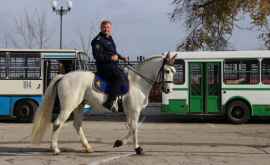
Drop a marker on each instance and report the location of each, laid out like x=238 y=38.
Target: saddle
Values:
x=101 y=85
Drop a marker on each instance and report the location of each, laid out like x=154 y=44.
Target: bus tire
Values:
x=25 y=110
x=238 y=112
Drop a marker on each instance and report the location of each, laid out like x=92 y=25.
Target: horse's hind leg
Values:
x=57 y=125
x=134 y=129
x=78 y=126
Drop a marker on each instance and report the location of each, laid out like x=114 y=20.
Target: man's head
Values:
x=106 y=27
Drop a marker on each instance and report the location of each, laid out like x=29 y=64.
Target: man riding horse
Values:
x=107 y=58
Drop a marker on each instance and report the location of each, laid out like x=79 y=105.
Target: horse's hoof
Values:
x=113 y=109
x=89 y=150
x=139 y=151
x=118 y=143
x=56 y=152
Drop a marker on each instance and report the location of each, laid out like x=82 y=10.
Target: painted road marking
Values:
x=106 y=160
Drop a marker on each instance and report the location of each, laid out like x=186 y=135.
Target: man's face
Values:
x=107 y=29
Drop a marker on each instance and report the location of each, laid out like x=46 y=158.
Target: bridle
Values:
x=159 y=79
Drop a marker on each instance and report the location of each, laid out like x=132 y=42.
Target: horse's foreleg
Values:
x=133 y=119
x=57 y=125
x=78 y=126
x=123 y=140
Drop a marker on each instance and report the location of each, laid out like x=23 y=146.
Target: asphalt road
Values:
x=166 y=142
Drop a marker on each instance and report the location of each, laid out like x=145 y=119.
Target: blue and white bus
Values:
x=26 y=73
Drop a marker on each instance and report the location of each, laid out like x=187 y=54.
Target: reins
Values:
x=160 y=75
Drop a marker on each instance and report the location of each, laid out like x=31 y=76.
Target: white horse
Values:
x=75 y=89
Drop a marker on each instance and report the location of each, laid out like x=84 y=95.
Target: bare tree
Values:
x=85 y=38
x=4 y=41
x=31 y=30
x=42 y=32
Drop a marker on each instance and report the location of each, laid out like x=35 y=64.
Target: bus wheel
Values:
x=25 y=110
x=238 y=112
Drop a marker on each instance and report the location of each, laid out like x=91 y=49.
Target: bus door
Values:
x=204 y=87
x=52 y=67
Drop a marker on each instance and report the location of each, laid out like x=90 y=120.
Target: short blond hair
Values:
x=105 y=22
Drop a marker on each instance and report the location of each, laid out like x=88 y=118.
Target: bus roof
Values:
x=39 y=50
x=222 y=54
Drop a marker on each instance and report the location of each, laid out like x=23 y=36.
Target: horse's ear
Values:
x=174 y=57
x=172 y=60
x=167 y=56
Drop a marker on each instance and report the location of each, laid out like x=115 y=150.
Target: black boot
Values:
x=109 y=103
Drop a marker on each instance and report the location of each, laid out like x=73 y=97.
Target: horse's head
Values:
x=158 y=69
x=167 y=72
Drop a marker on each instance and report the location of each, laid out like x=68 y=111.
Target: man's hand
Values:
x=125 y=59
x=115 y=57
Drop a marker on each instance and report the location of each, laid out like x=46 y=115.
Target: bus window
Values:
x=179 y=77
x=266 y=71
x=81 y=62
x=24 y=67
x=196 y=79
x=3 y=66
x=33 y=67
x=241 y=71
x=68 y=65
x=53 y=69
x=213 y=75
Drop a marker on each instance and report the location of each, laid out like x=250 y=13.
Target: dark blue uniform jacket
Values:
x=103 y=48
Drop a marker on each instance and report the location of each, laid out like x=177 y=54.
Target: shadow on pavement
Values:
x=153 y=114
x=121 y=117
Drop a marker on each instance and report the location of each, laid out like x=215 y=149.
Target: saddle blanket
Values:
x=101 y=85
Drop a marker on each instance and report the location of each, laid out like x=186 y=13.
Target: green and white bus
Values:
x=235 y=84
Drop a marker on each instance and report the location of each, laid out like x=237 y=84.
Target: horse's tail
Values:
x=43 y=115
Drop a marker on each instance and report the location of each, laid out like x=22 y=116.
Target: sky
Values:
x=140 y=27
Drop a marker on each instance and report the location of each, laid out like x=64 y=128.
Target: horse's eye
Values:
x=167 y=72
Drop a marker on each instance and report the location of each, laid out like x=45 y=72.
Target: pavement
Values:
x=165 y=142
